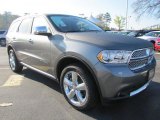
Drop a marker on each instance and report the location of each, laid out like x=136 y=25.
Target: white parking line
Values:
x=5 y=104
x=13 y=80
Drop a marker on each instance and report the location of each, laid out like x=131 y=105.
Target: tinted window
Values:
x=14 y=26
x=72 y=24
x=134 y=33
x=140 y=34
x=25 y=26
x=2 y=32
x=39 y=21
x=153 y=34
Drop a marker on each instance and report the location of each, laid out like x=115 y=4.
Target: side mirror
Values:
x=42 y=30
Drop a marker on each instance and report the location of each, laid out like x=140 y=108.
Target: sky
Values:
x=77 y=7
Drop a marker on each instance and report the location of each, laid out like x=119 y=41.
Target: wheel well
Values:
x=70 y=61
x=9 y=48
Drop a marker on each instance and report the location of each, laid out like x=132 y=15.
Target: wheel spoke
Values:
x=75 y=88
x=74 y=77
x=81 y=86
x=71 y=94
x=12 y=61
x=79 y=96
x=67 y=82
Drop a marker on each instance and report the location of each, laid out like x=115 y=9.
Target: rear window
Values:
x=153 y=34
x=14 y=26
x=25 y=26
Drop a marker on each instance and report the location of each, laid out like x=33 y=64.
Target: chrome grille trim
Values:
x=140 y=58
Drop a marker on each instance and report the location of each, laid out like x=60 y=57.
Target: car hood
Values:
x=148 y=38
x=109 y=41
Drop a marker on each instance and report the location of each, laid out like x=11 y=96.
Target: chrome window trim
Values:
x=39 y=71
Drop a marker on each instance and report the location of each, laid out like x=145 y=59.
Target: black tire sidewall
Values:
x=18 y=66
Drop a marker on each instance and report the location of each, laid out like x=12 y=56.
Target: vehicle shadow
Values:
x=41 y=78
x=145 y=106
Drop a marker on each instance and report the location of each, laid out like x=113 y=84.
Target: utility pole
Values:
x=127 y=15
x=6 y=20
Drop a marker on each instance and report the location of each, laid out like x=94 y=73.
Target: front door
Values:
x=40 y=47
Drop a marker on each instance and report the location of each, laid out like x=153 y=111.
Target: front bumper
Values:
x=118 y=81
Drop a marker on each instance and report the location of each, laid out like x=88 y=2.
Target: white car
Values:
x=151 y=36
x=3 y=37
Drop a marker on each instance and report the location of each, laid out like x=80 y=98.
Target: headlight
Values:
x=114 y=56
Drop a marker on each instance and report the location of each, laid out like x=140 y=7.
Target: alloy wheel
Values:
x=75 y=88
x=12 y=61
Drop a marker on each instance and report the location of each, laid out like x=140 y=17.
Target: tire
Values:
x=14 y=63
x=78 y=87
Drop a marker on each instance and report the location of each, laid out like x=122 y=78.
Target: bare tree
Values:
x=151 y=7
x=120 y=22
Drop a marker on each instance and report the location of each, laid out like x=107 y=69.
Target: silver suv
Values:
x=88 y=63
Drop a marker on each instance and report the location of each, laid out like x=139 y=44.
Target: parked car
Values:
x=124 y=32
x=88 y=63
x=115 y=32
x=151 y=36
x=138 y=33
x=157 y=45
x=3 y=37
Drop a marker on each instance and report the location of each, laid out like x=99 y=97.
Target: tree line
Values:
x=6 y=19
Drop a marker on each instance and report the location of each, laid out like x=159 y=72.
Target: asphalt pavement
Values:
x=32 y=96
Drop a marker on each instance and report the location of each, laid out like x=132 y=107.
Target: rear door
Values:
x=22 y=43
x=40 y=47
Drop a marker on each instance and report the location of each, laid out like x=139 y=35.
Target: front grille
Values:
x=140 y=58
x=139 y=53
x=137 y=63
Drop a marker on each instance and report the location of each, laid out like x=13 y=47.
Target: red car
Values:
x=157 y=45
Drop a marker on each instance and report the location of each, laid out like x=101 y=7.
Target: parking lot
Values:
x=31 y=96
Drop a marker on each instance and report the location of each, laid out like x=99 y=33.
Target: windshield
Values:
x=134 y=33
x=72 y=24
x=2 y=32
x=153 y=34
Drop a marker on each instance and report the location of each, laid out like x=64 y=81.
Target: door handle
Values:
x=30 y=41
